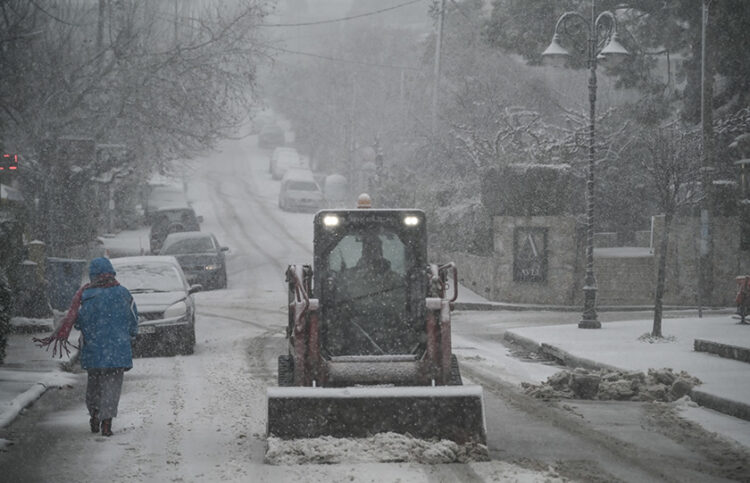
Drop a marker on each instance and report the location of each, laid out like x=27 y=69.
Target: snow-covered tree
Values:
x=670 y=157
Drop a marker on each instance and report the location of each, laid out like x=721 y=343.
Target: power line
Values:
x=342 y=19
x=345 y=61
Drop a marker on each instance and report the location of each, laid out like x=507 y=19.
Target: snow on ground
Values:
x=496 y=360
x=27 y=373
x=380 y=448
x=395 y=448
x=622 y=345
x=733 y=428
x=42 y=382
x=616 y=340
x=127 y=243
x=623 y=252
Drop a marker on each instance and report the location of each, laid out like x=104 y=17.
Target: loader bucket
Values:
x=455 y=413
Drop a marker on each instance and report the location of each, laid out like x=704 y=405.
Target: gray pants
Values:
x=103 y=392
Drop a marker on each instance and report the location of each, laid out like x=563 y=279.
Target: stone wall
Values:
x=683 y=254
x=643 y=238
x=474 y=272
x=625 y=276
x=562 y=260
x=625 y=280
x=606 y=239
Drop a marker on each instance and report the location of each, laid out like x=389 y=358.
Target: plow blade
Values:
x=455 y=413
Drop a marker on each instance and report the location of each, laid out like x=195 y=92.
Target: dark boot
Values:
x=94 y=422
x=106 y=427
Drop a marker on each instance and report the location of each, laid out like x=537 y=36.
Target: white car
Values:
x=166 y=309
x=300 y=192
x=284 y=159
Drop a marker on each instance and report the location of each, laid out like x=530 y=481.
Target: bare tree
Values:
x=670 y=156
x=165 y=82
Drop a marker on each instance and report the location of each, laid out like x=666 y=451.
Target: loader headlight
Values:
x=331 y=220
x=411 y=220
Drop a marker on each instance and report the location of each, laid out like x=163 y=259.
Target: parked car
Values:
x=283 y=159
x=299 y=191
x=335 y=191
x=166 y=309
x=200 y=255
x=260 y=119
x=271 y=136
x=171 y=220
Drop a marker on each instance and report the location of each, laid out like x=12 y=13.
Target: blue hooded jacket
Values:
x=108 y=318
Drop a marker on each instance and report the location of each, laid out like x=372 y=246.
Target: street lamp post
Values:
x=602 y=46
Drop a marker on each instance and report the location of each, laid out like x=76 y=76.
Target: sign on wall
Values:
x=530 y=254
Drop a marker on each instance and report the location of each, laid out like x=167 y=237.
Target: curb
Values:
x=575 y=308
x=718 y=403
x=711 y=401
x=525 y=342
x=22 y=401
x=563 y=357
x=570 y=360
x=726 y=351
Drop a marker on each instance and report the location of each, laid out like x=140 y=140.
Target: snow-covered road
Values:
x=202 y=417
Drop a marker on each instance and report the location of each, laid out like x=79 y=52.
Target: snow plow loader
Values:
x=369 y=337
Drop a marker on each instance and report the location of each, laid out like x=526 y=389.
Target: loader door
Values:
x=366 y=309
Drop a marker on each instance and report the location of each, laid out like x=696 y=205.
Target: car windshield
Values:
x=175 y=216
x=303 y=186
x=188 y=245
x=289 y=156
x=150 y=277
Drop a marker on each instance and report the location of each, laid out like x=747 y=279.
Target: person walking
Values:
x=105 y=313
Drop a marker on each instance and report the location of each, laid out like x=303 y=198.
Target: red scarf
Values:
x=59 y=338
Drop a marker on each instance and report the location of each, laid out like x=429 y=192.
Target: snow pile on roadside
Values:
x=657 y=385
x=380 y=448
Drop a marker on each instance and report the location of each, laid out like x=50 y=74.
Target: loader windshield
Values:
x=366 y=301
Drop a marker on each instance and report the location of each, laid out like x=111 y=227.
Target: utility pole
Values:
x=100 y=26
x=176 y=26
x=705 y=275
x=436 y=74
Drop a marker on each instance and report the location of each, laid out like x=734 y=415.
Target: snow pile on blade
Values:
x=380 y=448
x=658 y=385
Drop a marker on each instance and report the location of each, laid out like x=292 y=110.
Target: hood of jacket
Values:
x=99 y=266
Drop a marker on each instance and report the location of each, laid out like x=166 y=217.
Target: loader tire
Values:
x=455 y=372
x=286 y=371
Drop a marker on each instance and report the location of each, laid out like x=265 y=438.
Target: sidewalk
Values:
x=726 y=382
x=28 y=371
x=690 y=344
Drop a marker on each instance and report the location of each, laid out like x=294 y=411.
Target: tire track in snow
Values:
x=219 y=195
x=252 y=191
x=244 y=321
x=616 y=451
x=235 y=223
x=177 y=405
x=260 y=212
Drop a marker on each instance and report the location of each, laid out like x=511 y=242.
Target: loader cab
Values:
x=371 y=281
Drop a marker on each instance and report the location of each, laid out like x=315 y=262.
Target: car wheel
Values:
x=286 y=371
x=187 y=345
x=222 y=283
